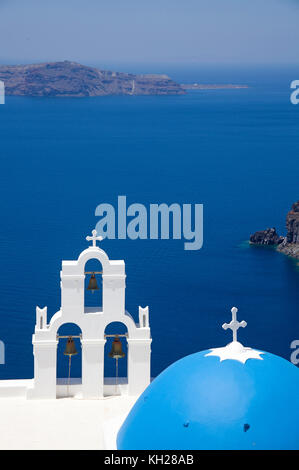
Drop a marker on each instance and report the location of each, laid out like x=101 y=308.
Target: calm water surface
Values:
x=235 y=151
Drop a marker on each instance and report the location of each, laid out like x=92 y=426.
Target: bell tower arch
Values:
x=92 y=321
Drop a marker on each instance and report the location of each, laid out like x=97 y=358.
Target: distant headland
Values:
x=70 y=79
x=289 y=244
x=204 y=86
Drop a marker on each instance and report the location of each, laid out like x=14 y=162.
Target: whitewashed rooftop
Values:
x=65 y=423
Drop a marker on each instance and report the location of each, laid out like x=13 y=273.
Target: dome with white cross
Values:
x=227 y=398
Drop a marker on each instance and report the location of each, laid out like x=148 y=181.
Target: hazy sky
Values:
x=131 y=31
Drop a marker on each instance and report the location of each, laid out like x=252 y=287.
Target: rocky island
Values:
x=289 y=244
x=70 y=79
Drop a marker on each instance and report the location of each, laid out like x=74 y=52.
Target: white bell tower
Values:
x=92 y=321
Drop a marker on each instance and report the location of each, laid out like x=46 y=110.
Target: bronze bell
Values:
x=116 y=351
x=70 y=348
x=93 y=285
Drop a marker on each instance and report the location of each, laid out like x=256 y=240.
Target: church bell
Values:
x=116 y=351
x=70 y=349
x=93 y=285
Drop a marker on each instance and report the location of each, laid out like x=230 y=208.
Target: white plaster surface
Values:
x=237 y=352
x=92 y=323
x=65 y=423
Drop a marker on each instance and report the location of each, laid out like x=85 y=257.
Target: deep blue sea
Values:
x=234 y=151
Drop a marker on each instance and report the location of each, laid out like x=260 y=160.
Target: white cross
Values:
x=94 y=238
x=234 y=325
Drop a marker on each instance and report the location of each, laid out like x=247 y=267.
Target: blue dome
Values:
x=200 y=402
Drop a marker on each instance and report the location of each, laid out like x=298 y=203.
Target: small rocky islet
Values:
x=288 y=244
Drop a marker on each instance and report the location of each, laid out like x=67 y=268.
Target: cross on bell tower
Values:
x=94 y=238
x=92 y=322
x=234 y=325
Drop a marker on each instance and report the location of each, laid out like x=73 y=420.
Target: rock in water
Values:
x=290 y=245
x=70 y=79
x=293 y=224
x=266 y=237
